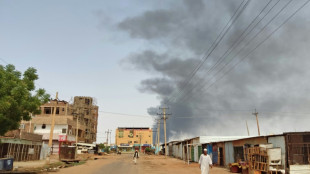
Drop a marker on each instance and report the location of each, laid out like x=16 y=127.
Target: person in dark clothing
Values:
x=135 y=156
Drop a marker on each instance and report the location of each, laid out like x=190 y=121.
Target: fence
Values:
x=20 y=152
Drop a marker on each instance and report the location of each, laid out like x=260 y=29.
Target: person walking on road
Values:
x=135 y=156
x=205 y=162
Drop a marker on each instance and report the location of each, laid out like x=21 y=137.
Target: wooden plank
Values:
x=18 y=153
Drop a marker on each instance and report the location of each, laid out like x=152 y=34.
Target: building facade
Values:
x=73 y=122
x=133 y=138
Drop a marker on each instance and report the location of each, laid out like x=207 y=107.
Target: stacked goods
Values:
x=258 y=159
x=235 y=168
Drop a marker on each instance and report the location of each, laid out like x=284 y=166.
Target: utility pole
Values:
x=158 y=137
x=155 y=143
x=165 y=131
x=140 y=143
x=247 y=127
x=256 y=114
x=50 y=142
x=107 y=132
x=110 y=137
x=164 y=110
x=76 y=134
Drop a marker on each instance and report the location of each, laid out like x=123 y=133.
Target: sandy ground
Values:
x=152 y=164
x=32 y=164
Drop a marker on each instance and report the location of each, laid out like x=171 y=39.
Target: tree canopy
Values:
x=18 y=97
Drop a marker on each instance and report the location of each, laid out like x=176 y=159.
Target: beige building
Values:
x=131 y=138
x=80 y=117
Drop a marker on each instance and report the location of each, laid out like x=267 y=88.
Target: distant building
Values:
x=133 y=138
x=66 y=124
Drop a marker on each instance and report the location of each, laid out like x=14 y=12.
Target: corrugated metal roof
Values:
x=214 y=139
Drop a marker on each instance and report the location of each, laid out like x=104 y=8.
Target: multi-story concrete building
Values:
x=133 y=138
x=79 y=118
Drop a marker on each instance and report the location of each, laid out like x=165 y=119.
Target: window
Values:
x=64 y=131
x=145 y=142
x=43 y=126
x=87 y=101
x=47 y=110
x=129 y=142
x=137 y=135
x=57 y=110
x=121 y=134
x=130 y=134
x=63 y=109
x=135 y=141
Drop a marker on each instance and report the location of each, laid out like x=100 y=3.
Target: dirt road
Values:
x=119 y=164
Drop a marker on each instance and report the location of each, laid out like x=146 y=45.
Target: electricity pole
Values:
x=247 y=127
x=76 y=132
x=256 y=114
x=158 y=133
x=110 y=137
x=50 y=142
x=107 y=132
x=140 y=142
x=165 y=131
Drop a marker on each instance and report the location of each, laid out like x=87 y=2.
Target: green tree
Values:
x=18 y=98
x=101 y=146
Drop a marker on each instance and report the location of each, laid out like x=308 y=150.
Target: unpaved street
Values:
x=119 y=164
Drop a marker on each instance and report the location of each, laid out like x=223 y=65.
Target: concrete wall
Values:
x=57 y=129
x=55 y=146
x=44 y=151
x=299 y=169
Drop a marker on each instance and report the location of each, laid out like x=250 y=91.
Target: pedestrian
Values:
x=135 y=156
x=205 y=162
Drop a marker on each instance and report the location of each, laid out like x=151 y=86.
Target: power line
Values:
x=238 y=42
x=215 y=43
x=243 y=58
x=124 y=114
x=4 y=61
x=285 y=21
x=242 y=48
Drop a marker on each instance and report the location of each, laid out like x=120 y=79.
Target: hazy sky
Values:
x=77 y=50
x=133 y=55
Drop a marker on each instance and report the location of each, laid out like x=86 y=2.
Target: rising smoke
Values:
x=273 y=79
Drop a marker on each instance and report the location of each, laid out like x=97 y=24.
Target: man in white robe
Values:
x=205 y=162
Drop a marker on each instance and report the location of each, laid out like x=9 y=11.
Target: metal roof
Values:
x=133 y=128
x=215 y=139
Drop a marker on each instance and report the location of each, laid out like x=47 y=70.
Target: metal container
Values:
x=6 y=164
